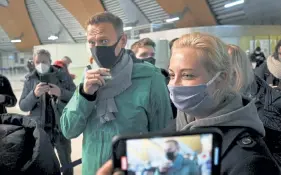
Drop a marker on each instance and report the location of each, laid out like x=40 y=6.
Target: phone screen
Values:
x=181 y=155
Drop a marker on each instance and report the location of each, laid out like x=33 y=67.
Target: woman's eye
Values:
x=188 y=76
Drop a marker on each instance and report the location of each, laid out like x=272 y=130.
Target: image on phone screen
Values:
x=180 y=155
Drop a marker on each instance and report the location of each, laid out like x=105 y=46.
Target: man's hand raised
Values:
x=94 y=80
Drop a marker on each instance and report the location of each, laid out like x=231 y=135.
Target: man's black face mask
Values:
x=150 y=60
x=170 y=156
x=105 y=55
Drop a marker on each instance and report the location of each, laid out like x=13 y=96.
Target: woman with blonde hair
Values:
x=201 y=87
x=268 y=100
x=243 y=74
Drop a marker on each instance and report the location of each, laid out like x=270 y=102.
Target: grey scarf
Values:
x=121 y=80
x=231 y=113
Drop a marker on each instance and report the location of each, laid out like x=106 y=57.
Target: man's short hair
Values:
x=106 y=17
x=142 y=43
x=66 y=58
x=41 y=52
x=174 y=142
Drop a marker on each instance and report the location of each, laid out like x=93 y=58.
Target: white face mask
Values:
x=42 y=68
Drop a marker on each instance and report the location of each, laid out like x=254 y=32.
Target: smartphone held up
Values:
x=105 y=77
x=178 y=153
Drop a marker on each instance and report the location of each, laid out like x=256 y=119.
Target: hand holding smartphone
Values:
x=181 y=153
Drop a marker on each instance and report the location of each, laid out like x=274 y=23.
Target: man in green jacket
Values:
x=121 y=96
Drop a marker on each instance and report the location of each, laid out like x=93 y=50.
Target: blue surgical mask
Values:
x=194 y=100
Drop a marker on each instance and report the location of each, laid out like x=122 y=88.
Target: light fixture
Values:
x=234 y=3
x=172 y=19
x=15 y=40
x=127 y=28
x=53 y=37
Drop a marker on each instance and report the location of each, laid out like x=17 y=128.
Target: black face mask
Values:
x=171 y=156
x=105 y=55
x=150 y=60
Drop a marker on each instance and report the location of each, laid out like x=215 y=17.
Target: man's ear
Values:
x=123 y=41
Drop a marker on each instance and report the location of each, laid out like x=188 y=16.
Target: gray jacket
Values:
x=37 y=106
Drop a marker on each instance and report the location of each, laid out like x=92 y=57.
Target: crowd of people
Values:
x=208 y=84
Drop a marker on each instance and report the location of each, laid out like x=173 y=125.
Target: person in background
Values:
x=176 y=163
x=258 y=56
x=7 y=96
x=144 y=50
x=268 y=101
x=270 y=71
x=30 y=65
x=46 y=100
x=64 y=64
x=201 y=88
x=134 y=100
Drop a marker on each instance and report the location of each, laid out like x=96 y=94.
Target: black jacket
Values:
x=37 y=106
x=263 y=72
x=7 y=91
x=25 y=149
x=240 y=156
x=269 y=109
x=244 y=152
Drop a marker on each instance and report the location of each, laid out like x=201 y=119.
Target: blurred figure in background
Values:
x=176 y=163
x=7 y=96
x=30 y=65
x=258 y=57
x=268 y=100
x=270 y=71
x=64 y=64
x=144 y=49
x=46 y=100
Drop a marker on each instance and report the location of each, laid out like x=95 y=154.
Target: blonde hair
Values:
x=243 y=74
x=214 y=54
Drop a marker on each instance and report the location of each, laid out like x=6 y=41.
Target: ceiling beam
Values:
x=15 y=20
x=82 y=10
x=198 y=14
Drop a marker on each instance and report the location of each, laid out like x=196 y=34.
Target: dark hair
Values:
x=275 y=55
x=258 y=49
x=174 y=142
x=106 y=17
x=141 y=43
x=172 y=42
